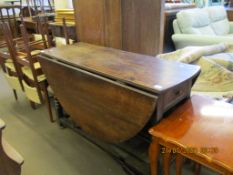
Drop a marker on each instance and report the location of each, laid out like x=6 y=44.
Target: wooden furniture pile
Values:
x=134 y=90
x=200 y=130
x=22 y=70
x=10 y=160
x=114 y=94
x=18 y=57
x=57 y=26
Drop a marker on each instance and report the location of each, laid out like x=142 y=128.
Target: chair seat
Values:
x=28 y=72
x=9 y=64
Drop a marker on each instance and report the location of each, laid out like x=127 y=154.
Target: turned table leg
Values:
x=166 y=163
x=154 y=151
x=179 y=163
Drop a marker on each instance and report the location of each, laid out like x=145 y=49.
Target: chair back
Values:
x=32 y=60
x=12 y=51
x=66 y=39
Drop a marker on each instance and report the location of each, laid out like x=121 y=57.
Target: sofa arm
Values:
x=184 y=40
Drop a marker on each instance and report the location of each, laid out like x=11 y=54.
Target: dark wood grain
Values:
x=147 y=72
x=230 y=13
x=103 y=108
x=115 y=87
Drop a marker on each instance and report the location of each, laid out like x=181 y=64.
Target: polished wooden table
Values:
x=202 y=130
x=113 y=94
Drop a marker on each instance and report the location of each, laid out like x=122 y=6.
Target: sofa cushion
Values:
x=219 y=20
x=195 y=21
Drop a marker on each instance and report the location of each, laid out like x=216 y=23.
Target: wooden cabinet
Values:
x=131 y=25
x=230 y=13
x=98 y=22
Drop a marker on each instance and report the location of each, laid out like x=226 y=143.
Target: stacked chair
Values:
x=51 y=38
x=65 y=40
x=22 y=68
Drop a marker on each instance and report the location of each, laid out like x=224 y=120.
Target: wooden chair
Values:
x=28 y=68
x=8 y=54
x=34 y=80
x=11 y=70
x=44 y=29
x=40 y=33
x=10 y=17
x=66 y=39
x=10 y=160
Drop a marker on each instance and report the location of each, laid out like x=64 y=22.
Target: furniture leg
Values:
x=15 y=94
x=33 y=105
x=154 y=150
x=48 y=104
x=59 y=111
x=179 y=163
x=166 y=163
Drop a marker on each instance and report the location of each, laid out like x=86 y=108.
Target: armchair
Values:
x=198 y=27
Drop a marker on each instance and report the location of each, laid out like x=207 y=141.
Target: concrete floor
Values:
x=48 y=149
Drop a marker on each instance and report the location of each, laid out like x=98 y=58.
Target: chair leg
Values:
x=15 y=94
x=33 y=105
x=48 y=104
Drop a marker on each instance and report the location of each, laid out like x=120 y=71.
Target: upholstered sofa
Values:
x=206 y=26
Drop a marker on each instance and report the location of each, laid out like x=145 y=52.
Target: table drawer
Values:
x=174 y=95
